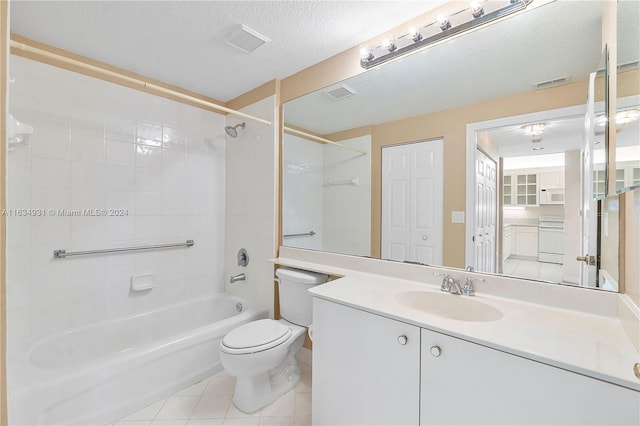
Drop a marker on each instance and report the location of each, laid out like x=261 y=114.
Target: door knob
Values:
x=589 y=260
x=403 y=339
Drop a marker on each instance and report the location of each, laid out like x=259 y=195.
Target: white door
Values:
x=485 y=213
x=412 y=202
x=589 y=225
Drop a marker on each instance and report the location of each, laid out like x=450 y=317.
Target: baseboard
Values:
x=305 y=355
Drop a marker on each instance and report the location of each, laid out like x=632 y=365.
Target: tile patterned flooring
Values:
x=532 y=269
x=209 y=403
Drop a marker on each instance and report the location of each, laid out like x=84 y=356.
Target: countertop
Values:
x=588 y=344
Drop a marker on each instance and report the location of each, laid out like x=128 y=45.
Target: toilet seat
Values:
x=255 y=336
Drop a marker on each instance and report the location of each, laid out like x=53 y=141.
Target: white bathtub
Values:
x=99 y=373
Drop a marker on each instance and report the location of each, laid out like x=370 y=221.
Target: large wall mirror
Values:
x=504 y=107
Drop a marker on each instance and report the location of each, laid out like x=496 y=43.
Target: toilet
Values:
x=262 y=354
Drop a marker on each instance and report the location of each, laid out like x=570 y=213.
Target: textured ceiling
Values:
x=182 y=42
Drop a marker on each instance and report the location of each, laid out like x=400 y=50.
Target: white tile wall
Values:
x=99 y=145
x=309 y=205
x=302 y=195
x=347 y=229
x=250 y=204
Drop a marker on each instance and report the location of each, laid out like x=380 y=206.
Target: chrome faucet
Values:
x=467 y=288
x=237 y=277
x=451 y=285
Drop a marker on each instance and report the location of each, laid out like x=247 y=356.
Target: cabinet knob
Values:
x=403 y=339
x=425 y=237
x=435 y=351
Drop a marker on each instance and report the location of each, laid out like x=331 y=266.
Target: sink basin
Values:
x=461 y=308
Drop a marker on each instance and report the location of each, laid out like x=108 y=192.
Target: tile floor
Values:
x=209 y=403
x=532 y=269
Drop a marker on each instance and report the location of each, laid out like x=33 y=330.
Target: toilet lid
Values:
x=256 y=333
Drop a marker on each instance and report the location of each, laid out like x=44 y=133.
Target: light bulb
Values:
x=443 y=22
x=366 y=54
x=476 y=9
x=414 y=33
x=389 y=44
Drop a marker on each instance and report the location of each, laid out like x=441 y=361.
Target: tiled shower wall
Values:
x=157 y=163
x=250 y=179
x=339 y=215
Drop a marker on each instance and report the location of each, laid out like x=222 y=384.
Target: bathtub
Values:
x=99 y=373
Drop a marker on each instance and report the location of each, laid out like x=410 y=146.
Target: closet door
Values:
x=412 y=202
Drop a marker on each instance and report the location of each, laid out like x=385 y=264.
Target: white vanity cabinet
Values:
x=372 y=370
x=463 y=383
x=366 y=368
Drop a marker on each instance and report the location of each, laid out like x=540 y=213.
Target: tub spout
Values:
x=237 y=277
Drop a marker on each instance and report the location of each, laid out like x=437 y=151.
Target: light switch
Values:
x=457 y=217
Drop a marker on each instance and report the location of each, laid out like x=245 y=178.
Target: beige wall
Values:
x=631 y=245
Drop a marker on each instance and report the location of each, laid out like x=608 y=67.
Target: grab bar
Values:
x=61 y=254
x=306 y=234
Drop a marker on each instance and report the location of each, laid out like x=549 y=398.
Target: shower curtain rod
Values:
x=319 y=139
x=136 y=81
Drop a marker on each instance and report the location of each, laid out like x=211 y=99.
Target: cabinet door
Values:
x=362 y=373
x=552 y=179
x=507 y=190
x=526 y=189
x=527 y=241
x=507 y=242
x=471 y=384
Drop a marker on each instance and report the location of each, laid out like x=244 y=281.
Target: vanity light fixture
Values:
x=478 y=13
x=534 y=129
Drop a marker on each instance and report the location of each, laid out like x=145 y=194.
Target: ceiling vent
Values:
x=246 y=39
x=339 y=92
x=552 y=83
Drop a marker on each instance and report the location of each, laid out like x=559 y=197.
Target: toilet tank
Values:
x=295 y=301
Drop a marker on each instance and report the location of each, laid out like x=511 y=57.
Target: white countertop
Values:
x=589 y=344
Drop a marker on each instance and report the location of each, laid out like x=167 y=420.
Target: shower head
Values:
x=231 y=131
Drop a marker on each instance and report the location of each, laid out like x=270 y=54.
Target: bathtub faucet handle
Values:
x=237 y=277
x=243 y=257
